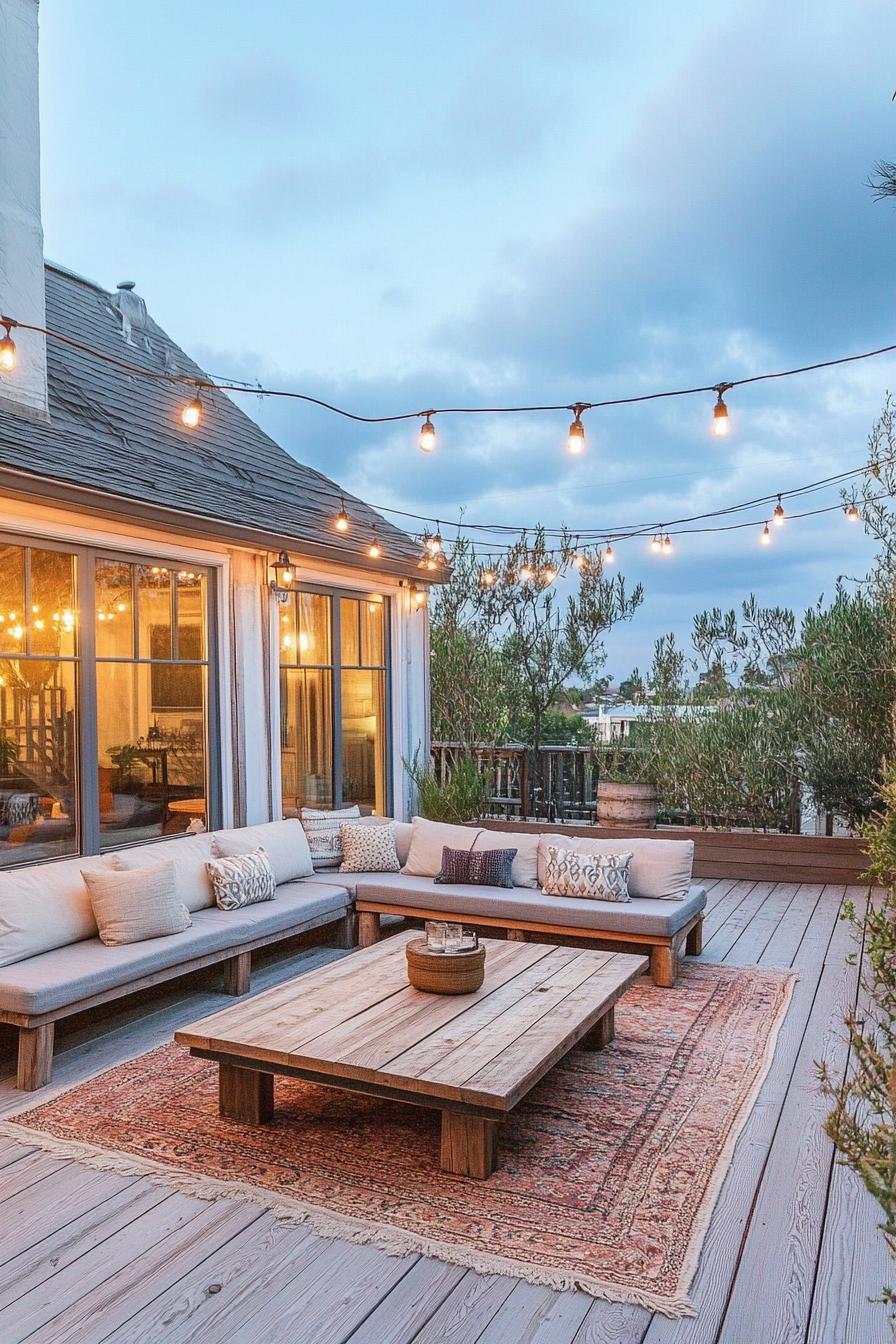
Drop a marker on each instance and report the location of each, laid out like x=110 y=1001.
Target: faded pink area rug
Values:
x=608 y=1172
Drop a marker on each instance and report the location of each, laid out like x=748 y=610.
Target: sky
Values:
x=395 y=206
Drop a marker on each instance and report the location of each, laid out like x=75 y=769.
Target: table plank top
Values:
x=360 y=1020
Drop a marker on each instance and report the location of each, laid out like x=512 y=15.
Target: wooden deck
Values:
x=791 y=1256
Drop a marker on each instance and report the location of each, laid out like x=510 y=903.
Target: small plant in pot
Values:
x=626 y=788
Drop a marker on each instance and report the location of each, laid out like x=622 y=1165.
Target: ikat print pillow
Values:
x=323 y=831
x=242 y=879
x=368 y=849
x=596 y=877
x=477 y=867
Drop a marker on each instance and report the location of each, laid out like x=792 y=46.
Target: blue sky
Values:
x=397 y=205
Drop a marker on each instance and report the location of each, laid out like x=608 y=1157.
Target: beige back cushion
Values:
x=661 y=869
x=188 y=853
x=428 y=838
x=131 y=906
x=44 y=907
x=402 y=831
x=284 y=842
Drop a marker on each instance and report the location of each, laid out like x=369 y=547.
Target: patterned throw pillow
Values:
x=477 y=867
x=598 y=877
x=368 y=849
x=322 y=830
x=242 y=879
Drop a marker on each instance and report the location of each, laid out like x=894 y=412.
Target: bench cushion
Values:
x=45 y=906
x=64 y=976
x=659 y=868
x=188 y=853
x=284 y=842
x=429 y=838
x=660 y=918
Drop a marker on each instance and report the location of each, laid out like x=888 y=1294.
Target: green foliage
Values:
x=460 y=797
x=632 y=689
x=862 y=1121
x=564 y=730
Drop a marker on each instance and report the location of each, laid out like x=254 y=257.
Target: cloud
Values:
x=260 y=92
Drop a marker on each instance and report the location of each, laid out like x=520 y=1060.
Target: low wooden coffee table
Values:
x=357 y=1024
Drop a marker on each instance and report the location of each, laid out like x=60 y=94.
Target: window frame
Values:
x=335 y=594
x=85 y=661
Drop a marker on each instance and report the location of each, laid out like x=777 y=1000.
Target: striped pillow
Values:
x=322 y=830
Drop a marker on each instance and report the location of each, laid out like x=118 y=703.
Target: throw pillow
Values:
x=429 y=838
x=368 y=849
x=596 y=877
x=477 y=867
x=242 y=879
x=284 y=842
x=322 y=830
x=139 y=903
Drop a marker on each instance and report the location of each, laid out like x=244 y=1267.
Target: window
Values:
x=333 y=701
x=106 y=701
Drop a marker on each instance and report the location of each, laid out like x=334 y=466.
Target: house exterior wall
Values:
x=246 y=748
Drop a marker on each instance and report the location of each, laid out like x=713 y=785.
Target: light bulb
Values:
x=525 y=573
x=667 y=545
x=341 y=520
x=38 y=625
x=427 y=439
x=656 y=544
x=434 y=544
x=17 y=632
x=766 y=536
x=420 y=596
x=609 y=557
x=852 y=513
x=549 y=574
x=487 y=578
x=779 y=514
x=7 y=352
x=578 y=560
x=720 y=417
x=192 y=413
x=374 y=550
x=575 y=444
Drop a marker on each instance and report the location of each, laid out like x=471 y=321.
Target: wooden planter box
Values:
x=746 y=855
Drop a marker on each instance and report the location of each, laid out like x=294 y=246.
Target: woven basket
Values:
x=445 y=972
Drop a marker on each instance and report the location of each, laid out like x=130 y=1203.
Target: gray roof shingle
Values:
x=119 y=437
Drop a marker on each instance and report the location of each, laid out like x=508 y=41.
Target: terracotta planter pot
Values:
x=626 y=804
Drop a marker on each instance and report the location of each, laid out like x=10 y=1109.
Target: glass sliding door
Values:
x=333 y=701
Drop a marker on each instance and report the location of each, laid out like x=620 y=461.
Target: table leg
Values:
x=245 y=1094
x=602 y=1033
x=469 y=1144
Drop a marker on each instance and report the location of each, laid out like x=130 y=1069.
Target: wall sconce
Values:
x=419 y=596
x=283 y=574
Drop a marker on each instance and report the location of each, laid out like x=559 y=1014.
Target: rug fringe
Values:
x=326 y=1223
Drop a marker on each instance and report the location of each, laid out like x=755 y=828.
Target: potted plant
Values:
x=626 y=788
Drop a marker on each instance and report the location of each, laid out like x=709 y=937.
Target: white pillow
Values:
x=323 y=833
x=188 y=853
x=284 y=842
x=595 y=877
x=132 y=906
x=429 y=838
x=660 y=869
x=242 y=879
x=402 y=831
x=368 y=849
x=46 y=906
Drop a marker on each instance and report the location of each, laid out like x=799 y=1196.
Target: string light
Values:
x=609 y=557
x=765 y=536
x=778 y=514
x=341 y=520
x=575 y=443
x=427 y=440
x=578 y=560
x=434 y=543
x=487 y=578
x=7 y=348
x=852 y=513
x=656 y=544
x=720 y=412
x=192 y=413
x=667 y=544
x=549 y=573
x=374 y=550
x=525 y=573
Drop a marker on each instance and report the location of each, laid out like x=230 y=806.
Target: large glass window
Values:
x=333 y=701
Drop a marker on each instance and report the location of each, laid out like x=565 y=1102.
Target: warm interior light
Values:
x=192 y=413
x=427 y=439
x=575 y=444
x=779 y=514
x=609 y=556
x=720 y=417
x=766 y=536
x=7 y=352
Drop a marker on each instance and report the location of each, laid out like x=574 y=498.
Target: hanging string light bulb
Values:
x=7 y=348
x=852 y=513
x=374 y=550
x=577 y=561
x=434 y=543
x=192 y=413
x=656 y=544
x=549 y=574
x=667 y=544
x=575 y=443
x=720 y=425
x=779 y=514
x=765 y=536
x=341 y=520
x=427 y=440
x=525 y=573
x=487 y=578
x=609 y=557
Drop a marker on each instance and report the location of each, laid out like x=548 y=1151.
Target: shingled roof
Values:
x=115 y=442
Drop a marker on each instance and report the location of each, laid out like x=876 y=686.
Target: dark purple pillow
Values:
x=477 y=867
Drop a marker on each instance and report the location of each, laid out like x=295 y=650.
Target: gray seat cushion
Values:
x=639 y=915
x=66 y=975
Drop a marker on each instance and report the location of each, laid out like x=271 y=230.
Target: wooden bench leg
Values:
x=368 y=928
x=238 y=974
x=246 y=1095
x=694 y=944
x=516 y=935
x=469 y=1144
x=602 y=1033
x=345 y=934
x=35 y=1056
x=663 y=965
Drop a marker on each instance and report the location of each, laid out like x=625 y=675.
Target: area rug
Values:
x=608 y=1172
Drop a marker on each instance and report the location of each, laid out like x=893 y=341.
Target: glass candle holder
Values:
x=435 y=935
x=454 y=937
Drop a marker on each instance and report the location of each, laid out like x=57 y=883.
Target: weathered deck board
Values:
x=93 y=1256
